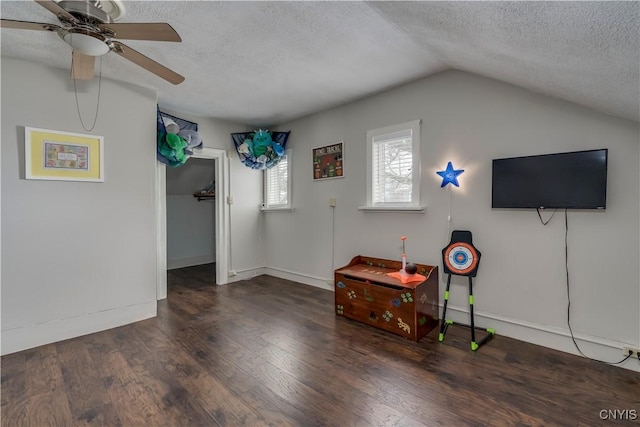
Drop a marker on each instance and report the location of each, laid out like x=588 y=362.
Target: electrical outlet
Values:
x=635 y=353
x=332 y=202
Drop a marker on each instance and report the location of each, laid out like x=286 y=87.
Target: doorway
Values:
x=221 y=223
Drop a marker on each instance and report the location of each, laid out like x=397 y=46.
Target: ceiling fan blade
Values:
x=147 y=63
x=160 y=31
x=57 y=10
x=82 y=66
x=26 y=25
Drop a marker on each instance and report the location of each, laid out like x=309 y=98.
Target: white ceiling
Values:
x=264 y=63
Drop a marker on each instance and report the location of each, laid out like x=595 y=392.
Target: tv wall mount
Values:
x=462 y=258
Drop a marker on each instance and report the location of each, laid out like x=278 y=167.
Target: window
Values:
x=277 y=184
x=393 y=168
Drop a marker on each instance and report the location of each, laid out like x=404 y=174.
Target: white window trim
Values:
x=408 y=209
x=279 y=208
x=414 y=205
x=267 y=210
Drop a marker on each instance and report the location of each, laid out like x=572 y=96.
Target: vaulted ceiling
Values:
x=264 y=63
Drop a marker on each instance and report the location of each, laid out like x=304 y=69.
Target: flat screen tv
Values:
x=576 y=180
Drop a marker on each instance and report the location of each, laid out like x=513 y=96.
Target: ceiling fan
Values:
x=91 y=32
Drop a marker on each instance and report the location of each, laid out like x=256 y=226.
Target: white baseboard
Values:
x=547 y=336
x=246 y=274
x=31 y=336
x=172 y=264
x=318 y=282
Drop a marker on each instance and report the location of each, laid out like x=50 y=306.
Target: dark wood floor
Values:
x=271 y=352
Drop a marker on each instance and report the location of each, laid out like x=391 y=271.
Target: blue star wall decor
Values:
x=450 y=175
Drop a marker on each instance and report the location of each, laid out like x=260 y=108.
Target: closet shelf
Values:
x=204 y=196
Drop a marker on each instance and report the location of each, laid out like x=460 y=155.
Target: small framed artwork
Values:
x=63 y=156
x=328 y=161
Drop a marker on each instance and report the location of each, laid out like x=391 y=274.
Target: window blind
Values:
x=392 y=159
x=276 y=186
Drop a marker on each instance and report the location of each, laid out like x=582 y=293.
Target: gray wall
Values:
x=469 y=120
x=77 y=257
x=193 y=176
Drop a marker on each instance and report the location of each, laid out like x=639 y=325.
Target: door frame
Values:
x=221 y=219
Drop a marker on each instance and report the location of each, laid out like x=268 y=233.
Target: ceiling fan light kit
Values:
x=88 y=27
x=85 y=43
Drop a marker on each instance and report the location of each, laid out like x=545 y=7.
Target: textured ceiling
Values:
x=264 y=63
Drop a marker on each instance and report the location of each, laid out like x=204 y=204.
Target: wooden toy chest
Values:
x=364 y=292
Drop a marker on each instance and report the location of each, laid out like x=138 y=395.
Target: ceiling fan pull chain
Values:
x=75 y=90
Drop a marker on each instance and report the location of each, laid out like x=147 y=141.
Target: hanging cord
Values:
x=75 y=91
x=540 y=216
x=566 y=267
x=448 y=220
